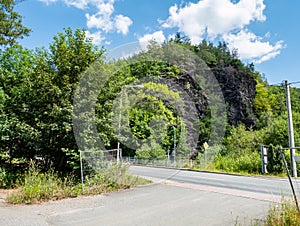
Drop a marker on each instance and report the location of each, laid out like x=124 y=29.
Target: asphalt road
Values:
x=176 y=198
x=265 y=188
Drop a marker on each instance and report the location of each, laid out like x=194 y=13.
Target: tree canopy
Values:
x=38 y=87
x=11 y=27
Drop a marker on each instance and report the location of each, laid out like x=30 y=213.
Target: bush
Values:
x=275 y=163
x=153 y=150
x=7 y=178
x=242 y=141
x=246 y=163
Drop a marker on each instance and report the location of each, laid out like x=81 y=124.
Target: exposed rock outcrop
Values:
x=239 y=90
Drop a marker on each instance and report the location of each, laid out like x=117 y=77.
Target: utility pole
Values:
x=119 y=127
x=291 y=129
x=174 y=129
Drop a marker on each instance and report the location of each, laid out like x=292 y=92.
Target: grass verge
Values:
x=283 y=214
x=38 y=187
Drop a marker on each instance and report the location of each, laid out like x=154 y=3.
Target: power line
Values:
x=283 y=83
x=294 y=83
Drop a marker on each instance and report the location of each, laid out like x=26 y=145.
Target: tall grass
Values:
x=38 y=186
x=283 y=214
x=111 y=178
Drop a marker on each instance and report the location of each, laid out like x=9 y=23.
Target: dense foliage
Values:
x=11 y=27
x=37 y=89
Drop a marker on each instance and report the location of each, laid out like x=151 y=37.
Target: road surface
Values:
x=176 y=198
x=264 y=188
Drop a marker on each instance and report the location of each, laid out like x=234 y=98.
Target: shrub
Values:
x=153 y=150
x=7 y=178
x=275 y=163
x=246 y=163
x=241 y=141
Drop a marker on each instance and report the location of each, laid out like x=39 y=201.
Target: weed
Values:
x=38 y=186
x=285 y=213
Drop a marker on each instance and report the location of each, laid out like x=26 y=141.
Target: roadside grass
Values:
x=246 y=165
x=250 y=164
x=39 y=187
x=283 y=214
x=111 y=178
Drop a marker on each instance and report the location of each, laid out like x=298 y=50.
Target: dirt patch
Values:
x=4 y=193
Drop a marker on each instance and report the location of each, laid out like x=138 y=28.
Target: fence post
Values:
x=81 y=169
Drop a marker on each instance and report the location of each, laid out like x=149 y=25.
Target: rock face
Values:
x=239 y=90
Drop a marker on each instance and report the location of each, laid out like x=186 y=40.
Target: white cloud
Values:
x=103 y=20
x=157 y=36
x=99 y=21
x=83 y=4
x=227 y=20
x=48 y=2
x=214 y=17
x=106 y=9
x=252 y=47
x=122 y=24
x=80 y=4
x=96 y=37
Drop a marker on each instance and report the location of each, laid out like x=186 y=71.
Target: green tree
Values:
x=37 y=91
x=241 y=141
x=71 y=53
x=11 y=27
x=152 y=151
x=275 y=162
x=18 y=135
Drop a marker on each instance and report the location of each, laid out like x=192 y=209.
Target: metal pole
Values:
x=120 y=117
x=174 y=144
x=82 y=183
x=290 y=180
x=205 y=159
x=291 y=130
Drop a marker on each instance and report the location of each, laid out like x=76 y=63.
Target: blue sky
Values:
x=264 y=32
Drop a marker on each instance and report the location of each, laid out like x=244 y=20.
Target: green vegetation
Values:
x=11 y=27
x=247 y=163
x=284 y=213
x=38 y=186
x=7 y=178
x=37 y=91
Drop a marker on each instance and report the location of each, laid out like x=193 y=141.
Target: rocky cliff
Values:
x=239 y=90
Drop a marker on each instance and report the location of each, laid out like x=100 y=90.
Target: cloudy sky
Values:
x=263 y=31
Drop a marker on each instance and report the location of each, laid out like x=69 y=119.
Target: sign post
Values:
x=264 y=158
